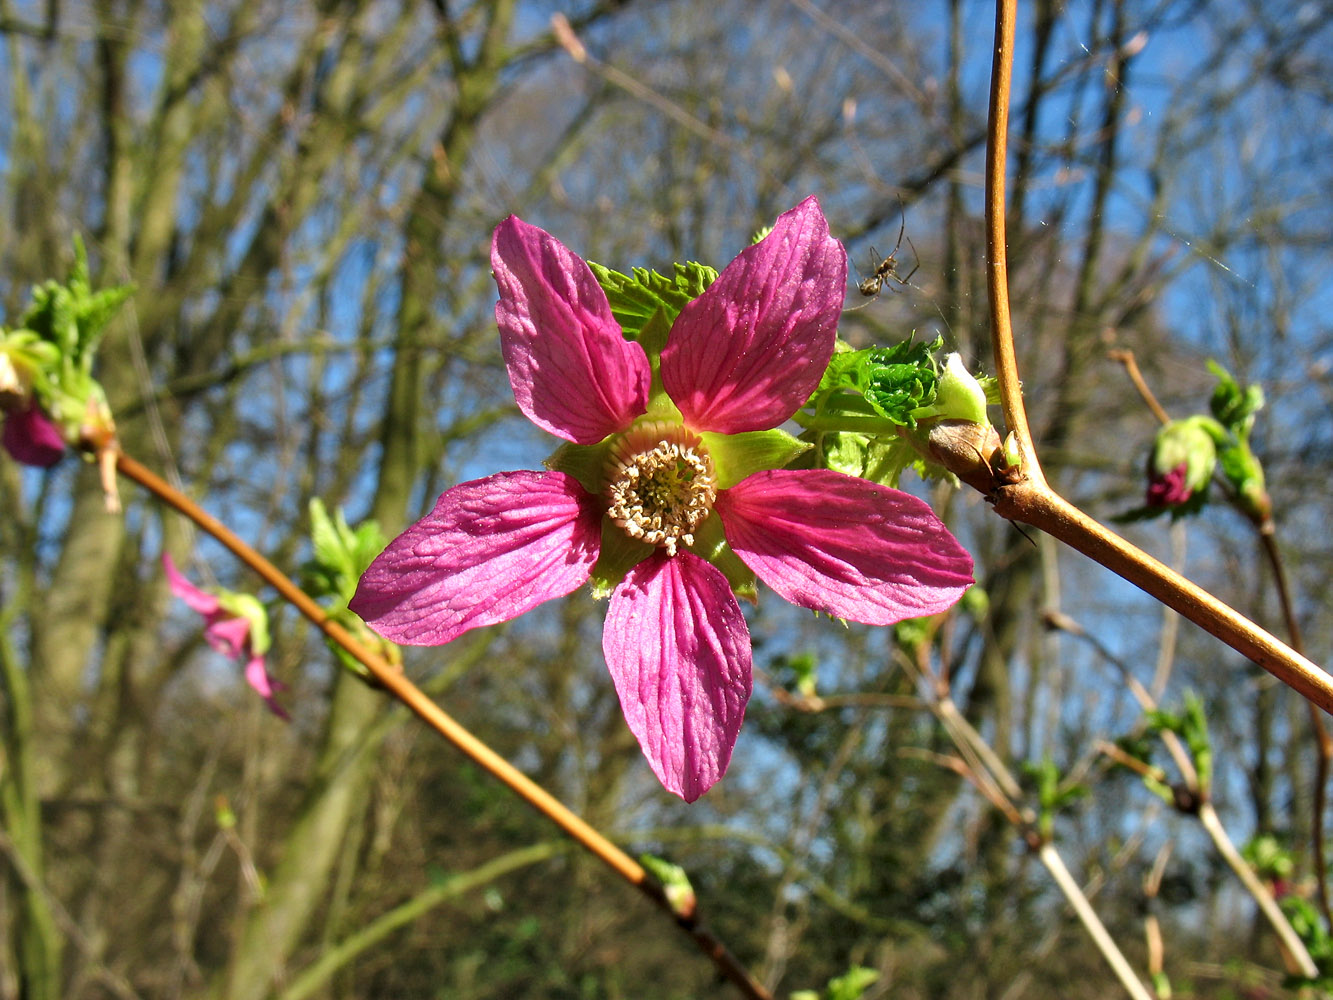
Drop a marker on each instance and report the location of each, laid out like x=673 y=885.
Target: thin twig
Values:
x=479 y=752
x=1050 y=857
x=980 y=765
x=1126 y=358
x=1323 y=741
x=1293 y=948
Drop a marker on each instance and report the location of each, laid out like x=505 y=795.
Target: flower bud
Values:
x=958 y=395
x=1183 y=458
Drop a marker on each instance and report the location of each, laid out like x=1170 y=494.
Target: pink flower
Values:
x=235 y=625
x=32 y=438
x=663 y=486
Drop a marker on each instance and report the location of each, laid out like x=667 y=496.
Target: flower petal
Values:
x=845 y=546
x=30 y=437
x=258 y=678
x=679 y=652
x=228 y=636
x=490 y=550
x=572 y=370
x=200 y=601
x=748 y=352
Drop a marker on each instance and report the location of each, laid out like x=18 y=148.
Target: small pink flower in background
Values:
x=236 y=626
x=31 y=437
x=741 y=358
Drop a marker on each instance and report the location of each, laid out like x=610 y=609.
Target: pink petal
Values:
x=258 y=678
x=490 y=550
x=748 y=352
x=201 y=601
x=31 y=438
x=679 y=653
x=572 y=370
x=228 y=635
x=845 y=546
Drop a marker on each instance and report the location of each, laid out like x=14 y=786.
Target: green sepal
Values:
x=619 y=555
x=585 y=462
x=878 y=459
x=247 y=606
x=710 y=543
x=736 y=456
x=636 y=296
x=653 y=338
x=30 y=358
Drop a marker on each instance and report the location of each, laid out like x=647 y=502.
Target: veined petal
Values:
x=200 y=601
x=748 y=352
x=679 y=652
x=572 y=370
x=490 y=550
x=31 y=438
x=258 y=678
x=845 y=546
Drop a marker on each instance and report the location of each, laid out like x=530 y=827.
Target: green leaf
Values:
x=851 y=984
x=635 y=297
x=1233 y=406
x=339 y=554
x=1268 y=857
x=896 y=381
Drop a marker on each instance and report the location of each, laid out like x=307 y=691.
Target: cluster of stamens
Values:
x=660 y=484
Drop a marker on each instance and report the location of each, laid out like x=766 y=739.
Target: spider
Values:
x=887 y=267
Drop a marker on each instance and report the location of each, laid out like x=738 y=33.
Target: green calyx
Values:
x=247 y=606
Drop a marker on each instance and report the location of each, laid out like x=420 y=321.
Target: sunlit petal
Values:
x=679 y=652
x=572 y=370
x=748 y=352
x=845 y=546
x=490 y=550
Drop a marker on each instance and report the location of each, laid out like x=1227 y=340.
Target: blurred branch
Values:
x=317 y=975
x=981 y=765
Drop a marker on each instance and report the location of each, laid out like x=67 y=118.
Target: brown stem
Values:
x=434 y=716
x=1126 y=358
x=997 y=254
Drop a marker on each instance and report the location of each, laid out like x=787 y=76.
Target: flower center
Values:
x=660 y=484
